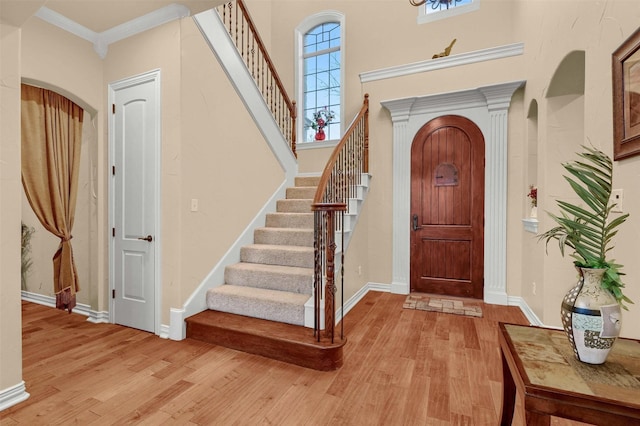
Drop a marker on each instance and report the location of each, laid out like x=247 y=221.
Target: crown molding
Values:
x=101 y=41
x=61 y=21
x=482 y=55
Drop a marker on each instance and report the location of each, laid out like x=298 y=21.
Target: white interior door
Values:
x=135 y=142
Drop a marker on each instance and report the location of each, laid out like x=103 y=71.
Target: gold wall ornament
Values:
x=446 y=52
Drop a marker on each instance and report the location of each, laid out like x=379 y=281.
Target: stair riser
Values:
x=293 y=206
x=290 y=220
x=284 y=342
x=307 y=180
x=269 y=310
x=301 y=193
x=297 y=283
x=288 y=237
x=276 y=257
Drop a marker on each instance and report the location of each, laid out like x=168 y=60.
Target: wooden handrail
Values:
x=338 y=183
x=361 y=118
x=261 y=67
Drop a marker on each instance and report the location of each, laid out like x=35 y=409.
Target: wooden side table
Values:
x=539 y=364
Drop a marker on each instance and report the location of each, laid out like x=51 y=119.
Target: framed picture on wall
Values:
x=626 y=98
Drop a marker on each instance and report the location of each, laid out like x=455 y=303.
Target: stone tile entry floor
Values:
x=425 y=302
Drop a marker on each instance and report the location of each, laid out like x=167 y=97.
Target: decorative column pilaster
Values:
x=495 y=226
x=400 y=112
x=488 y=108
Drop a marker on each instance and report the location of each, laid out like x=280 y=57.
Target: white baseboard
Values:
x=13 y=395
x=512 y=301
x=95 y=317
x=353 y=300
x=165 y=331
x=526 y=310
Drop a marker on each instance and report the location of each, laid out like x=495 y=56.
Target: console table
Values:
x=539 y=366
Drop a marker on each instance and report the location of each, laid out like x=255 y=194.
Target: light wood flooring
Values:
x=401 y=367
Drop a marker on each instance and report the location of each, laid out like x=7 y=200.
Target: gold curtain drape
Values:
x=51 y=142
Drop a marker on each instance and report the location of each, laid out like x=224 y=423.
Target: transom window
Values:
x=433 y=10
x=322 y=82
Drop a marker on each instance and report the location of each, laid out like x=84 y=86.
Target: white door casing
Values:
x=488 y=107
x=134 y=147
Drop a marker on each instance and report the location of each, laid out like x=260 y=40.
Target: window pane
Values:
x=334 y=60
x=322 y=98
x=310 y=83
x=310 y=66
x=433 y=6
x=321 y=79
x=322 y=62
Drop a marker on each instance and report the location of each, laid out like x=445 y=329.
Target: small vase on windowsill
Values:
x=534 y=212
x=320 y=135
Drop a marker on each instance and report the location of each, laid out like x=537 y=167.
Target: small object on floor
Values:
x=423 y=302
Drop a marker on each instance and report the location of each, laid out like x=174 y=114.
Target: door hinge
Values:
x=113 y=293
x=113 y=108
x=113 y=232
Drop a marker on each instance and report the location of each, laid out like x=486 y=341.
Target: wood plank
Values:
x=122 y=375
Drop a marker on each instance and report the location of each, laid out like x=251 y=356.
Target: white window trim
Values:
x=307 y=24
x=424 y=17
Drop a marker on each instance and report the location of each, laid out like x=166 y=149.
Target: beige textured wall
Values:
x=10 y=187
x=208 y=142
x=226 y=163
x=598 y=28
x=159 y=48
x=56 y=59
x=373 y=41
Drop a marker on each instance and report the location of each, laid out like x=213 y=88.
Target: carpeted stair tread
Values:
x=299 y=256
x=274 y=277
x=262 y=303
x=284 y=236
x=289 y=220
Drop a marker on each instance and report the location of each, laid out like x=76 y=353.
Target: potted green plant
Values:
x=25 y=254
x=590 y=310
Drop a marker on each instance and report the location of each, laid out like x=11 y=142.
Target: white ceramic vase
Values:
x=591 y=317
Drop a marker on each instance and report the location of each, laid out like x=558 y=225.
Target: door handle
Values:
x=147 y=238
x=414 y=222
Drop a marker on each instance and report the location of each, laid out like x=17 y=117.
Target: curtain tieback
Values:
x=64 y=239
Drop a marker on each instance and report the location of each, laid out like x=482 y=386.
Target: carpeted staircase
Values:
x=274 y=278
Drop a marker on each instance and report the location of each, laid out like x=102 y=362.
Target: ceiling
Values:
x=96 y=15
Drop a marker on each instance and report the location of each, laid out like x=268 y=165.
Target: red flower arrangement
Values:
x=321 y=119
x=533 y=194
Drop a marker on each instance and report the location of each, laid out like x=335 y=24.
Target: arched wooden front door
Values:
x=447 y=208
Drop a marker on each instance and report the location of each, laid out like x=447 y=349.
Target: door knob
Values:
x=147 y=238
x=414 y=222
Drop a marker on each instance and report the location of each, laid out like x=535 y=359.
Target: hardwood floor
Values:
x=401 y=366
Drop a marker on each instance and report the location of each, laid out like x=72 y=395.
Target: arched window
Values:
x=319 y=46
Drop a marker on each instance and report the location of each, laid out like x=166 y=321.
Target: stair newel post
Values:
x=329 y=291
x=325 y=253
x=342 y=276
x=317 y=271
